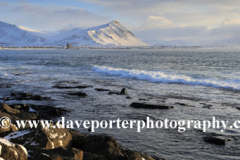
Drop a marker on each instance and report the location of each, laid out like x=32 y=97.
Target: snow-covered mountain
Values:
x=111 y=34
x=234 y=41
x=11 y=35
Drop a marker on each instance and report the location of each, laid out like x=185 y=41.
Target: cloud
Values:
x=49 y=18
x=231 y=22
x=3 y=4
x=154 y=22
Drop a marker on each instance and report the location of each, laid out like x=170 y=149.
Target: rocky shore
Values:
x=53 y=143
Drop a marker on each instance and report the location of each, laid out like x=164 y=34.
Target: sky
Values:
x=198 y=21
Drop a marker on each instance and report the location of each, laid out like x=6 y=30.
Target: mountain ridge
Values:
x=110 y=34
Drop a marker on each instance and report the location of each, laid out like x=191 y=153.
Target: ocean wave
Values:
x=163 y=77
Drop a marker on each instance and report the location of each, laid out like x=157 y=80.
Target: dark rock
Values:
x=79 y=94
x=123 y=91
x=13 y=95
x=71 y=87
x=56 y=154
x=149 y=106
x=97 y=144
x=45 y=111
x=101 y=89
x=6 y=99
x=128 y=97
x=27 y=96
x=111 y=93
x=91 y=156
x=37 y=97
x=11 y=151
x=207 y=106
x=182 y=104
x=215 y=140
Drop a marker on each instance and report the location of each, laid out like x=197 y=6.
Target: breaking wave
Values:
x=163 y=77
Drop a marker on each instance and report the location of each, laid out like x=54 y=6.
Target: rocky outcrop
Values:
x=149 y=106
x=54 y=143
x=48 y=138
x=79 y=94
x=59 y=153
x=26 y=96
x=98 y=144
x=215 y=140
x=71 y=87
x=123 y=91
x=12 y=151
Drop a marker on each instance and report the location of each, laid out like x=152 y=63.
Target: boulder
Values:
x=91 y=156
x=79 y=94
x=56 y=154
x=97 y=144
x=215 y=140
x=26 y=96
x=71 y=87
x=48 y=138
x=123 y=91
x=113 y=92
x=101 y=89
x=149 y=106
x=11 y=151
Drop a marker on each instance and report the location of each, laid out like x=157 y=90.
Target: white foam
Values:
x=162 y=77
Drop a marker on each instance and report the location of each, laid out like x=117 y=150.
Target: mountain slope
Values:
x=233 y=41
x=111 y=34
x=11 y=35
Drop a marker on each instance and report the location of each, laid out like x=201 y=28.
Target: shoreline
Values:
x=42 y=143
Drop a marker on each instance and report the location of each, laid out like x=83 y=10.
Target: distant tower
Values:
x=69 y=46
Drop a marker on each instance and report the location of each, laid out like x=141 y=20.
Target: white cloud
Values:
x=231 y=22
x=154 y=22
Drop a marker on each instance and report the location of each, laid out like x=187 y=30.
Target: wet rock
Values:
x=182 y=104
x=97 y=144
x=149 y=106
x=8 y=109
x=48 y=138
x=15 y=114
x=101 y=89
x=27 y=96
x=11 y=151
x=215 y=140
x=72 y=87
x=142 y=99
x=112 y=92
x=13 y=95
x=207 y=106
x=59 y=153
x=91 y=156
x=6 y=98
x=137 y=156
x=123 y=91
x=42 y=111
x=37 y=97
x=79 y=94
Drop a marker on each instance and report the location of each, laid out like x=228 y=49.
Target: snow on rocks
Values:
x=9 y=150
x=48 y=138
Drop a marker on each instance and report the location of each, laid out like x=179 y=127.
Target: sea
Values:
x=184 y=78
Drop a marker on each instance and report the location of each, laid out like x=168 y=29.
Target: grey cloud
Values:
x=51 y=18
